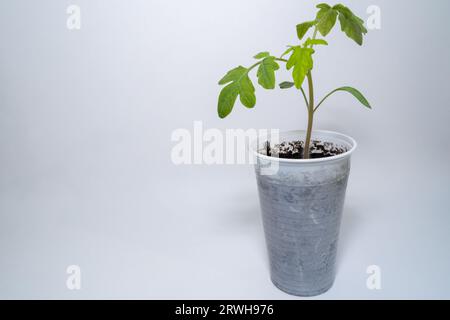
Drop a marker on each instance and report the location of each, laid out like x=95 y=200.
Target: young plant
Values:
x=299 y=59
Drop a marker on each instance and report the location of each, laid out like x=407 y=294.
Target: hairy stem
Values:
x=310 y=117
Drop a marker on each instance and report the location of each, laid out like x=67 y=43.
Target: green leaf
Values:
x=233 y=75
x=286 y=85
x=358 y=95
x=301 y=60
x=227 y=99
x=287 y=51
x=262 y=55
x=351 y=25
x=266 y=73
x=240 y=85
x=310 y=41
x=323 y=6
x=303 y=28
x=247 y=92
x=326 y=19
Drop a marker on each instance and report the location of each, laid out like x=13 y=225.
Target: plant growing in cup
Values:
x=302 y=202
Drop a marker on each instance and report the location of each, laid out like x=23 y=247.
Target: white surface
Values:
x=86 y=177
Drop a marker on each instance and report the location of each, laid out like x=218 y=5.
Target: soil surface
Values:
x=294 y=150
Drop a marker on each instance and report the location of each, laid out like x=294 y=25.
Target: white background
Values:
x=86 y=176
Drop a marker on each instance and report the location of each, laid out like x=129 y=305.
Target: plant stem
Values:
x=320 y=103
x=314 y=35
x=254 y=66
x=310 y=117
x=259 y=62
x=304 y=97
x=306 y=154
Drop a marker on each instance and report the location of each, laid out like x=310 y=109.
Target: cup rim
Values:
x=348 y=139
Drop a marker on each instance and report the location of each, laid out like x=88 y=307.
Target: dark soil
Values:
x=294 y=150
